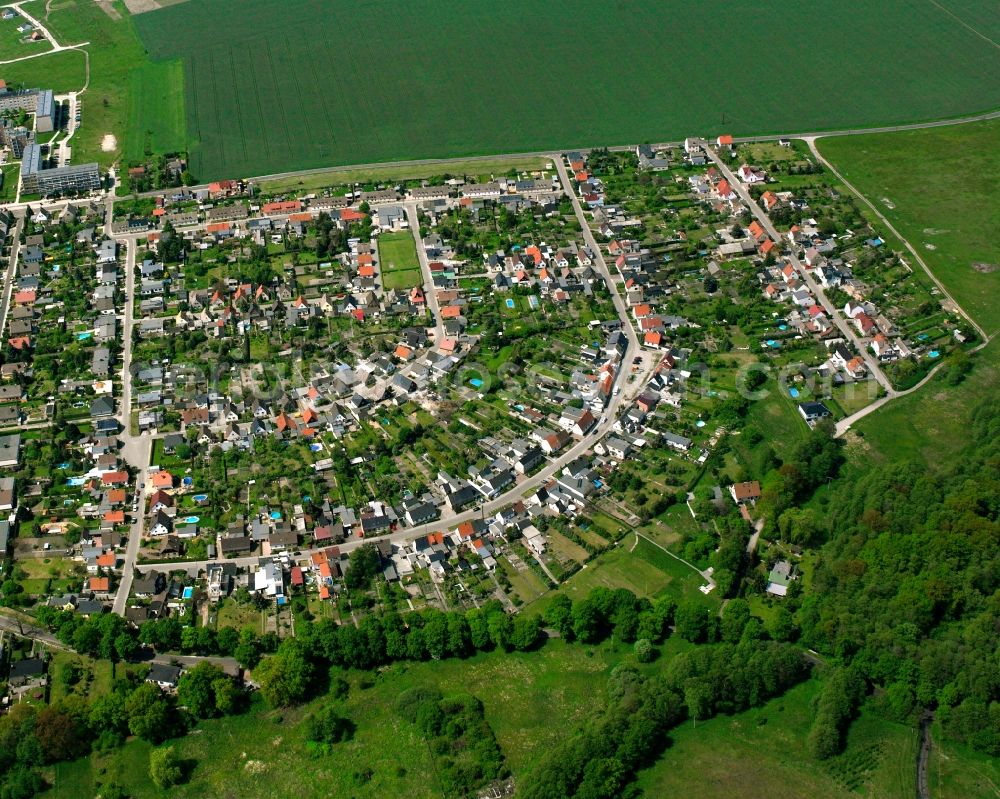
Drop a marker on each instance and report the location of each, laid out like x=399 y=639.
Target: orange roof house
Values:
x=107 y=561
x=285 y=422
x=451 y=312
x=285 y=207
x=100 y=585
x=162 y=479
x=114 y=517
x=114 y=478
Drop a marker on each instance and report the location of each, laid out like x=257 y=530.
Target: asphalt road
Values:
x=430 y=295
x=136 y=450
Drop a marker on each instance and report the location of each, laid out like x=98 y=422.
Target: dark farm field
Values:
x=273 y=86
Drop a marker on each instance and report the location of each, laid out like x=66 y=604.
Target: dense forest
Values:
x=906 y=592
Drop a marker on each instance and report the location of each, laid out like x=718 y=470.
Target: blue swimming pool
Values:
x=276 y=514
x=191 y=520
x=200 y=497
x=782 y=327
x=794 y=392
x=86 y=334
x=699 y=423
x=76 y=481
x=475 y=382
x=934 y=354
x=923 y=337
x=509 y=303
x=315 y=447
x=187 y=481
x=188 y=592
x=772 y=343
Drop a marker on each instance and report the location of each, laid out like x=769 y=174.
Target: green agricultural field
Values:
x=397 y=260
x=936 y=186
x=273 y=86
x=761 y=753
x=156 y=121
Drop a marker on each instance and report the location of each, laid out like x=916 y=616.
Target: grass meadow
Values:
x=263 y=753
x=115 y=55
x=272 y=86
x=762 y=753
x=936 y=186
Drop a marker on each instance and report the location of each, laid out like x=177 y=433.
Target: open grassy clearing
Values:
x=62 y=72
x=930 y=424
x=432 y=78
x=156 y=110
x=531 y=699
x=935 y=186
x=115 y=54
x=761 y=753
x=639 y=566
x=955 y=772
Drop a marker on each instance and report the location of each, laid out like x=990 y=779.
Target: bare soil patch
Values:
x=110 y=10
x=109 y=143
x=984 y=268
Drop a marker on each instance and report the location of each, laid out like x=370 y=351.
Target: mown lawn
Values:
x=641 y=567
